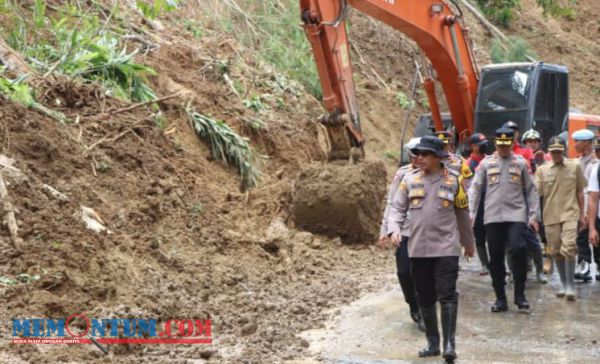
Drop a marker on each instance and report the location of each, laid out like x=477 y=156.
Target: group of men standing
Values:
x=441 y=206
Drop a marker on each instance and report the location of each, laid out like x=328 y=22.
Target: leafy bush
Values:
x=79 y=45
x=404 y=101
x=115 y=69
x=554 y=8
x=517 y=50
x=501 y=12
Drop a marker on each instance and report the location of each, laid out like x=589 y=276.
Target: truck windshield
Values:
x=504 y=91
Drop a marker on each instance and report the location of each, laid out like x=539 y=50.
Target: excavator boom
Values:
x=431 y=24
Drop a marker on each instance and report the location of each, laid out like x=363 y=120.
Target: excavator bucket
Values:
x=341 y=199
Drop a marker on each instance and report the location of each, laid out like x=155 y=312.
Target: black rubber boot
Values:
x=500 y=305
x=449 y=313
x=520 y=299
x=415 y=315
x=432 y=333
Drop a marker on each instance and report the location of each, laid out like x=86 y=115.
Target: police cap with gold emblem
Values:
x=504 y=136
x=556 y=144
x=444 y=136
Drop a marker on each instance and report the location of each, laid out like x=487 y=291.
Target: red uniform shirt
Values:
x=474 y=161
x=525 y=153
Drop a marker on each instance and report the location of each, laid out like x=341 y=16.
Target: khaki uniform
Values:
x=510 y=194
x=402 y=171
x=558 y=184
x=437 y=205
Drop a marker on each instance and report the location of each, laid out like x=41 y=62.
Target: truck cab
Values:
x=534 y=95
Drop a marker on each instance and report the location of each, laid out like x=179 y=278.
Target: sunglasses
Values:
x=423 y=153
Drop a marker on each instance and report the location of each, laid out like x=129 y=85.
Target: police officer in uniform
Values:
x=439 y=225
x=402 y=260
x=505 y=177
x=479 y=145
x=454 y=161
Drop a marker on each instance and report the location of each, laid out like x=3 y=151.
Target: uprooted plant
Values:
x=226 y=146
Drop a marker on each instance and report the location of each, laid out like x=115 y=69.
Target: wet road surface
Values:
x=377 y=328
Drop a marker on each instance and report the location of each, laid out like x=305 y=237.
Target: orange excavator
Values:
x=535 y=95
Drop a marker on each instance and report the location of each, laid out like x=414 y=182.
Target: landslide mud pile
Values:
x=341 y=199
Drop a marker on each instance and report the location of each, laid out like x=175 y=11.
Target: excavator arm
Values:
x=431 y=24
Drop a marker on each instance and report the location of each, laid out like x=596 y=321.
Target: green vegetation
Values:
x=4 y=280
x=77 y=43
x=556 y=9
x=21 y=277
x=272 y=29
x=517 y=50
x=18 y=91
x=156 y=8
x=501 y=12
x=404 y=100
x=226 y=146
x=392 y=155
x=254 y=103
x=197 y=209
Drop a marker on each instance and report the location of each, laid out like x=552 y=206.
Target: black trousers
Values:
x=533 y=244
x=478 y=226
x=479 y=233
x=404 y=275
x=435 y=279
x=584 y=252
x=502 y=237
x=589 y=252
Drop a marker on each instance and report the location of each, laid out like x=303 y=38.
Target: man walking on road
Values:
x=510 y=203
x=439 y=225
x=402 y=260
x=479 y=144
x=584 y=147
x=594 y=211
x=560 y=184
